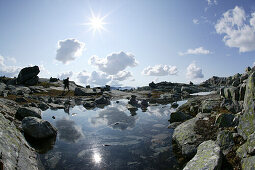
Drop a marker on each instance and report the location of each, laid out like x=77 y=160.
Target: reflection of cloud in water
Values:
x=115 y=118
x=159 y=111
x=68 y=130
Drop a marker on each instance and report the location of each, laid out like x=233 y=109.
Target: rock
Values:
x=246 y=124
x=248 y=69
x=232 y=106
x=225 y=120
x=21 y=100
x=133 y=100
x=179 y=117
x=2 y=87
x=18 y=90
x=102 y=100
x=242 y=92
x=248 y=148
x=144 y=103
x=38 y=128
x=208 y=157
x=43 y=106
x=54 y=106
x=174 y=125
x=236 y=83
x=174 y=105
x=14 y=149
x=28 y=76
x=131 y=107
x=54 y=79
x=23 y=112
x=89 y=104
x=225 y=140
x=79 y=91
x=186 y=137
x=244 y=77
x=210 y=105
x=248 y=163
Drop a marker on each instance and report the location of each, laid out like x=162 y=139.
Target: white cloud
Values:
x=69 y=49
x=83 y=77
x=199 y=50
x=65 y=75
x=8 y=71
x=238 y=32
x=194 y=72
x=43 y=71
x=195 y=21
x=122 y=75
x=98 y=78
x=160 y=70
x=212 y=2
x=114 y=62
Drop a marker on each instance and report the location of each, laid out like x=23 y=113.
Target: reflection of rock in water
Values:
x=43 y=145
x=115 y=118
x=68 y=130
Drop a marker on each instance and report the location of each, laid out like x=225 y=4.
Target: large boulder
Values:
x=28 y=76
x=225 y=120
x=179 y=117
x=210 y=105
x=102 y=100
x=23 y=112
x=225 y=140
x=248 y=148
x=38 y=128
x=16 y=153
x=208 y=157
x=246 y=124
x=248 y=163
x=185 y=136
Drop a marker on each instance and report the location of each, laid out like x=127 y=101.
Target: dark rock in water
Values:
x=38 y=128
x=179 y=117
x=23 y=112
x=89 y=104
x=246 y=124
x=144 y=103
x=117 y=101
x=225 y=120
x=225 y=140
x=53 y=117
x=174 y=105
x=102 y=100
x=208 y=156
x=28 y=76
x=133 y=100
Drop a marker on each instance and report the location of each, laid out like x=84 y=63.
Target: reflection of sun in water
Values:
x=97 y=158
x=96 y=23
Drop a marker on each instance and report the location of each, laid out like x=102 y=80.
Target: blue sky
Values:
x=142 y=41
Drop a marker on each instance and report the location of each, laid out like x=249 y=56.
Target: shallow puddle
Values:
x=110 y=138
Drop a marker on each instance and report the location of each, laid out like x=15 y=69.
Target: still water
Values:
x=110 y=138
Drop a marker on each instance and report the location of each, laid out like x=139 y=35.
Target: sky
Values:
x=127 y=42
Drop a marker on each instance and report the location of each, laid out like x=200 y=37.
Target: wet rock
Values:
x=43 y=106
x=16 y=152
x=248 y=163
x=246 y=124
x=89 y=104
x=208 y=157
x=144 y=103
x=23 y=112
x=38 y=128
x=174 y=105
x=55 y=106
x=28 y=76
x=185 y=136
x=225 y=140
x=133 y=100
x=102 y=100
x=225 y=120
x=174 y=125
x=179 y=117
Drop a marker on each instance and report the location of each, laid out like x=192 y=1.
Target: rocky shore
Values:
x=209 y=130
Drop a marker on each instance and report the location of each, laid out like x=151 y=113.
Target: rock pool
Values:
x=109 y=138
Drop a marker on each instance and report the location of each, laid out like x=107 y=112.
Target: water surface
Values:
x=110 y=138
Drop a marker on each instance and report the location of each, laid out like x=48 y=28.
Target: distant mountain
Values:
x=122 y=88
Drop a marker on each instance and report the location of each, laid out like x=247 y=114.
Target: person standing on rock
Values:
x=66 y=83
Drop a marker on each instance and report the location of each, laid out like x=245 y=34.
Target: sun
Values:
x=96 y=23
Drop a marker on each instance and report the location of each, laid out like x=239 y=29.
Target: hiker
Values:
x=66 y=83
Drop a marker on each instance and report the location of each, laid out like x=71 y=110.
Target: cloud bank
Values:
x=8 y=71
x=69 y=49
x=237 y=32
x=160 y=70
x=199 y=50
x=194 y=72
